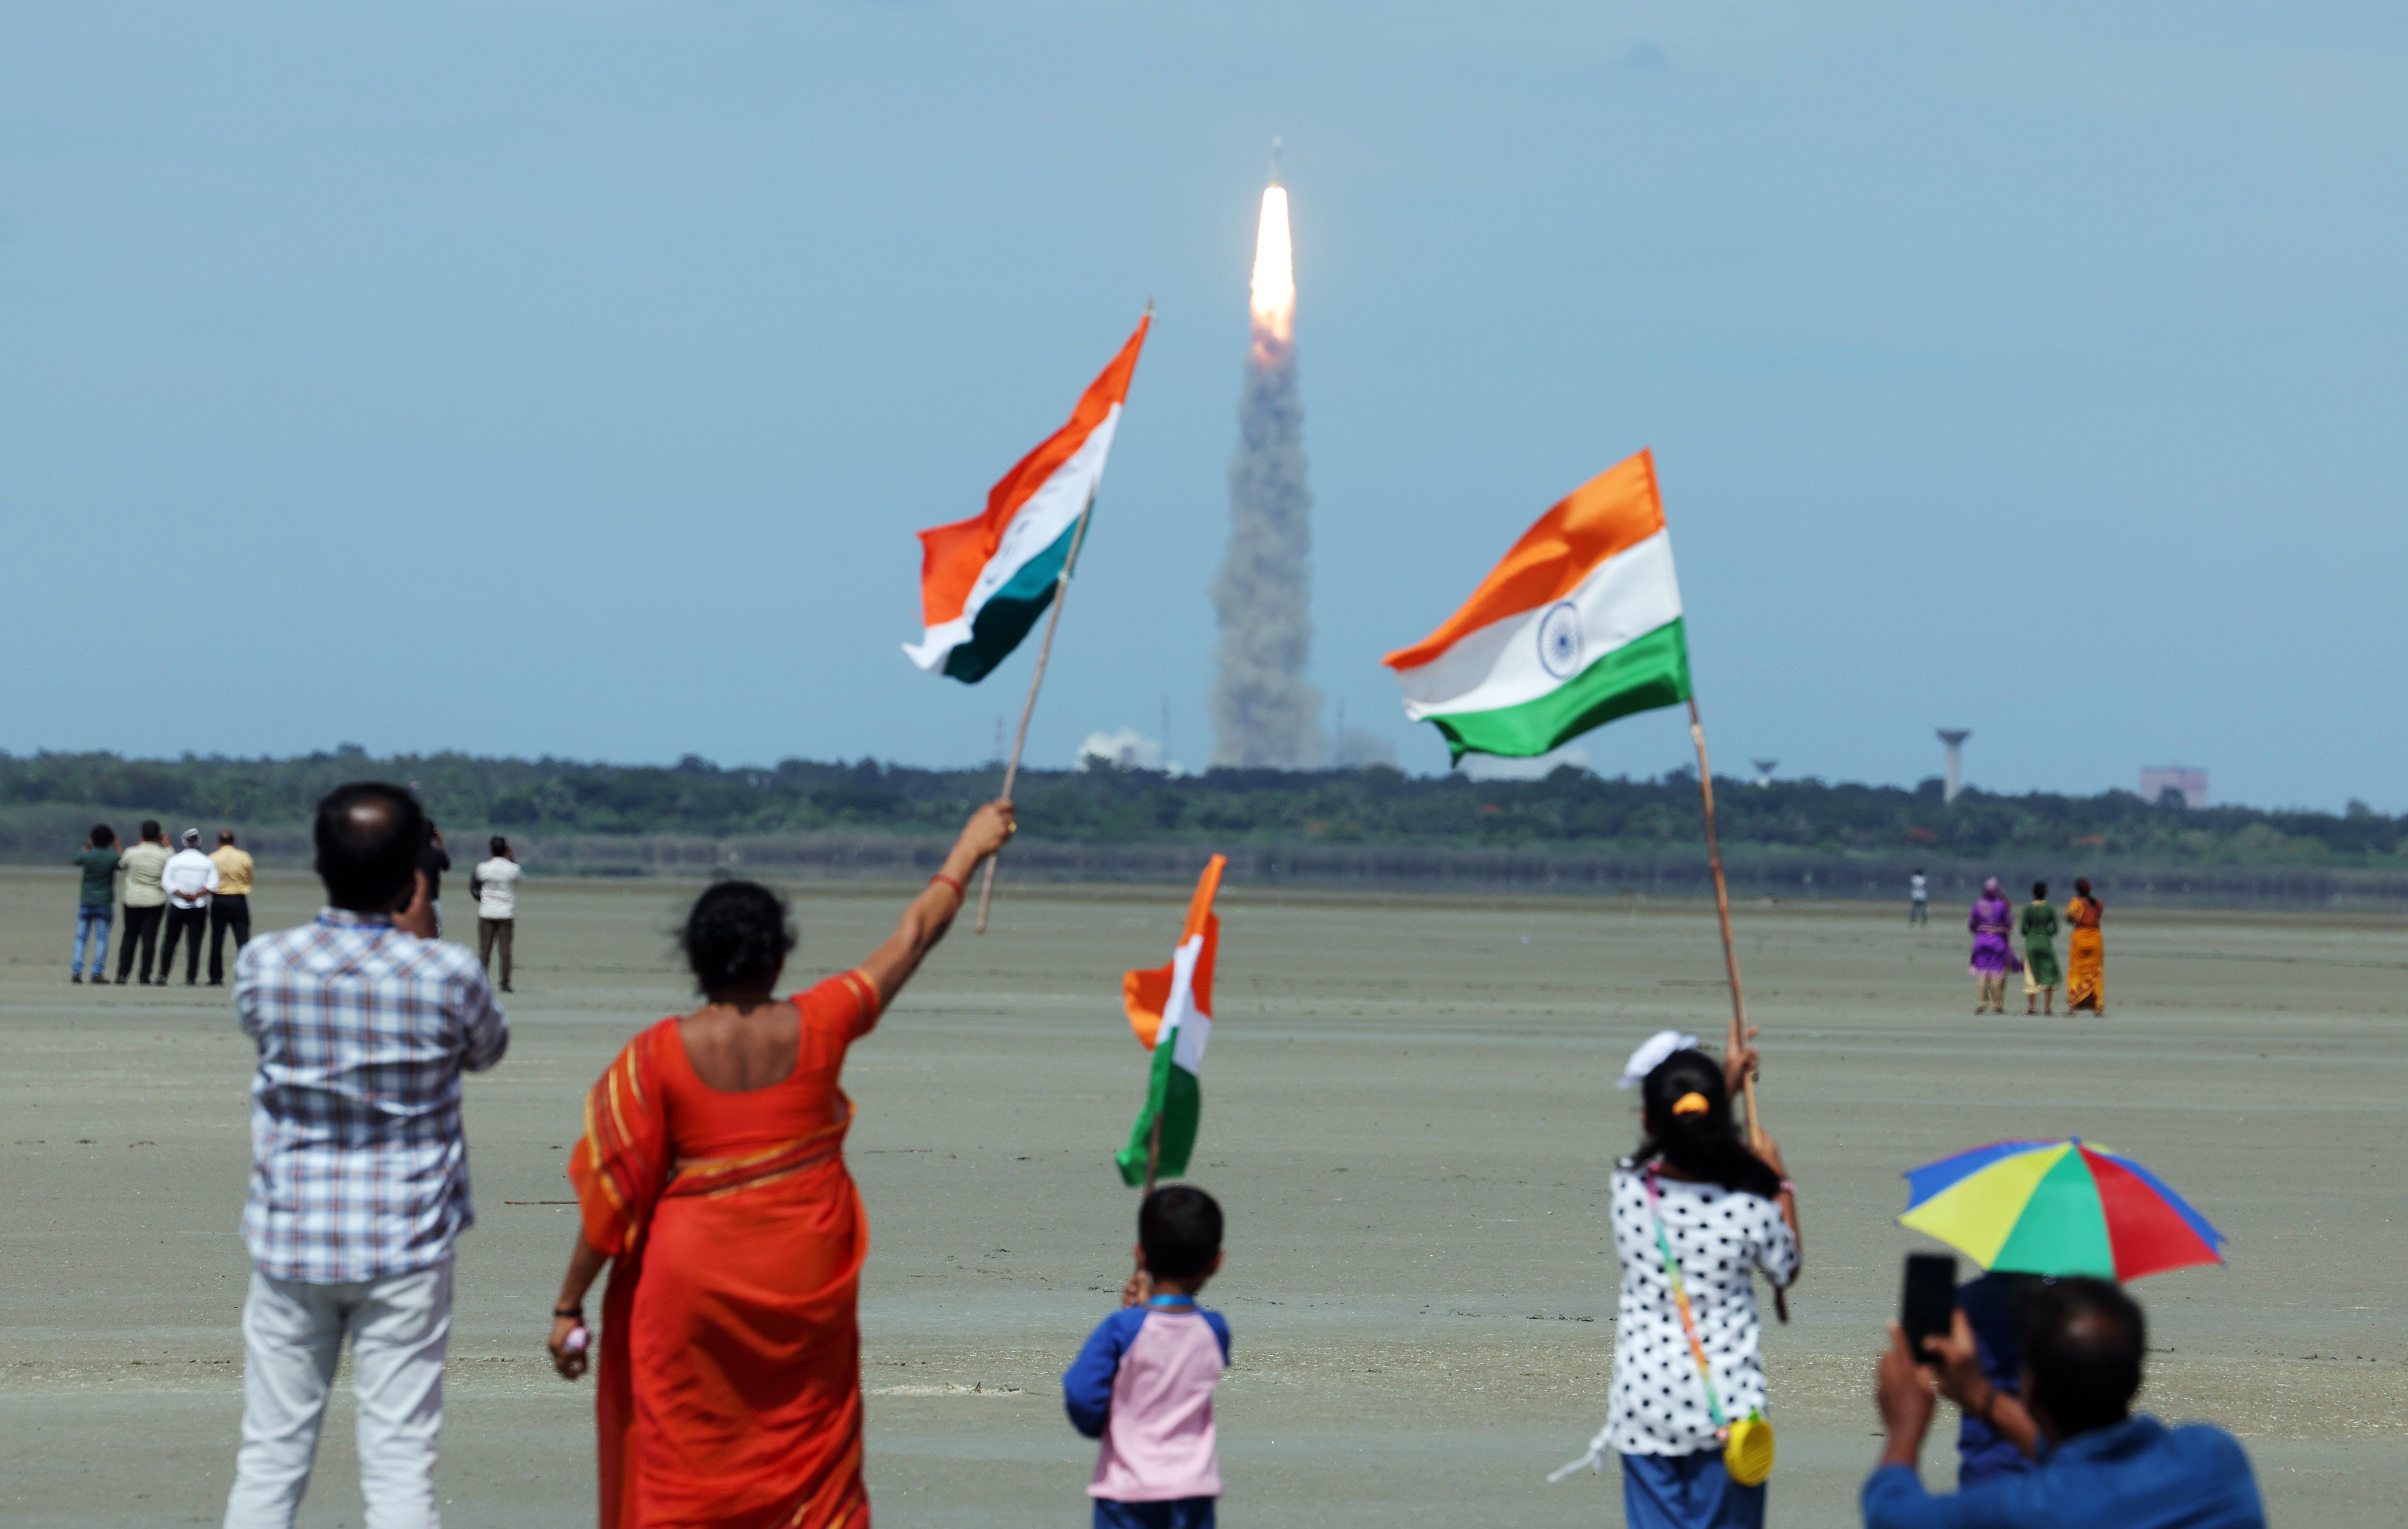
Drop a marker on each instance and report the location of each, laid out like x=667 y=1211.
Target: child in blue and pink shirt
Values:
x=1143 y=1383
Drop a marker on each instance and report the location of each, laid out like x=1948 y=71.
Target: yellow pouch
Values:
x=1747 y=1455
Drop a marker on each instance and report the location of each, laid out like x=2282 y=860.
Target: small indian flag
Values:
x=984 y=582
x=1580 y=624
x=1170 y=1009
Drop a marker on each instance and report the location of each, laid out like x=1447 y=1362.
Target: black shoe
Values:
x=75 y=977
x=98 y=981
x=217 y=981
x=506 y=988
x=191 y=981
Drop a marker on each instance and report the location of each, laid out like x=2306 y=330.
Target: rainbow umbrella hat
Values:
x=2058 y=1207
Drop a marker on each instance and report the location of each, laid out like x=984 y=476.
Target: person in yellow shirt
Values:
x=231 y=907
x=146 y=901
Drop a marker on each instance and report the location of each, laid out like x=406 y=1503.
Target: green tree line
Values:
x=1109 y=805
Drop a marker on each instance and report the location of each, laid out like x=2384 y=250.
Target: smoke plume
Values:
x=1263 y=711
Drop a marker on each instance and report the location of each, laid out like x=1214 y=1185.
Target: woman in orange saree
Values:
x=711 y=1180
x=2085 y=953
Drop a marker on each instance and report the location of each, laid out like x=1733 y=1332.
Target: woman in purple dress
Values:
x=1993 y=953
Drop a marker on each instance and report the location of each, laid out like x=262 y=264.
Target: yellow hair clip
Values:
x=1691 y=1104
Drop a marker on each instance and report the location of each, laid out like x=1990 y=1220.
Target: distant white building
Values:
x=1128 y=748
x=2156 y=780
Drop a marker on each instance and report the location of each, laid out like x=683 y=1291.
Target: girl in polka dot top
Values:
x=1726 y=1213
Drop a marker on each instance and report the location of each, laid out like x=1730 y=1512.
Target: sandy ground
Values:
x=1408 y=1113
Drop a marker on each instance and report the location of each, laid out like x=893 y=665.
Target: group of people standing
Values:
x=713 y=1193
x=1995 y=925
x=189 y=892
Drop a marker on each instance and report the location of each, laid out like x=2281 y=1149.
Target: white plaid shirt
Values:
x=358 y=1166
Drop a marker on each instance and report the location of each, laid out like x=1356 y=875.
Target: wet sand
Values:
x=1408 y=1114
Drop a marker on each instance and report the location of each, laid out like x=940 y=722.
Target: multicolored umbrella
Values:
x=2058 y=1207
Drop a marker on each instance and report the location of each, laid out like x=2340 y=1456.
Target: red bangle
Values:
x=960 y=892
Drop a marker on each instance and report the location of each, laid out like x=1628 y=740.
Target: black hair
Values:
x=2039 y=891
x=1179 y=1229
x=2082 y=1341
x=2082 y=885
x=500 y=845
x=737 y=934
x=102 y=833
x=368 y=834
x=1705 y=1143
x=150 y=828
x=226 y=836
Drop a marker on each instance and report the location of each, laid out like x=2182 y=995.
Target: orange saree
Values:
x=2086 y=952
x=728 y=1367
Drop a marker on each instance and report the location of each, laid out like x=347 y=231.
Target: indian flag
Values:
x=1580 y=624
x=1170 y=1009
x=984 y=582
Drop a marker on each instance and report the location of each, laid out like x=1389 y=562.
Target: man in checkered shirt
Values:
x=359 y=1170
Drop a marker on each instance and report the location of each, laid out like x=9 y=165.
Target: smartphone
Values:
x=1929 y=1308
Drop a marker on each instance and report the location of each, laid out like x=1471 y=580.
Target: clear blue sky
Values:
x=570 y=378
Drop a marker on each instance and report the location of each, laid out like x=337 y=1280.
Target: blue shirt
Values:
x=2137 y=1473
x=1989 y=1307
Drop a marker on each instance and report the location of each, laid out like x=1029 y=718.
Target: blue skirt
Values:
x=1687 y=1491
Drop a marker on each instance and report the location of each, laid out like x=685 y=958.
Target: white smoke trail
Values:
x=1263 y=711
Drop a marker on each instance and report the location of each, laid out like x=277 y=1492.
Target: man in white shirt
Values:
x=494 y=885
x=188 y=877
x=1918 y=898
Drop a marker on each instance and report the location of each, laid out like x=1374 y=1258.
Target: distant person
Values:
x=1143 y=1382
x=146 y=901
x=190 y=878
x=1695 y=1215
x=2100 y=1466
x=2085 y=977
x=1918 y=899
x=1994 y=954
x=96 y=909
x=2039 y=927
x=729 y=1390
x=432 y=861
x=230 y=909
x=494 y=885
x=359 y=1169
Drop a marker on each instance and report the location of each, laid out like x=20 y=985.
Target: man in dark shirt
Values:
x=97 y=911
x=434 y=860
x=2100 y=1466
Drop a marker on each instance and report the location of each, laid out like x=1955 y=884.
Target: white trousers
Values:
x=292 y=1335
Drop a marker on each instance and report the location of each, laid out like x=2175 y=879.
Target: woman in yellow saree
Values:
x=2085 y=953
x=711 y=1179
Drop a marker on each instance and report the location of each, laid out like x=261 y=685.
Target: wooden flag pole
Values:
x=1012 y=771
x=1730 y=954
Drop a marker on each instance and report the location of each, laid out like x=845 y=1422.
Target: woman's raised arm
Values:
x=931 y=913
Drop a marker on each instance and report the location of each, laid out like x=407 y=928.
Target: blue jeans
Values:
x=1178 y=1513
x=96 y=921
x=1687 y=1491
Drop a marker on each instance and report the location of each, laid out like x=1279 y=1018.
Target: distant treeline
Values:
x=1108 y=804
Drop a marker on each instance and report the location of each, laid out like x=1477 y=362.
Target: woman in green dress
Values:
x=2041 y=974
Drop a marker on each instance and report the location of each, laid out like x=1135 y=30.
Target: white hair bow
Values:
x=1651 y=1055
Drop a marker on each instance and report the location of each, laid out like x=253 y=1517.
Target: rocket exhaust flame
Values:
x=1275 y=284
x=1263 y=714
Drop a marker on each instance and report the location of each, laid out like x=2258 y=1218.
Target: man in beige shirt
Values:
x=231 y=906
x=146 y=901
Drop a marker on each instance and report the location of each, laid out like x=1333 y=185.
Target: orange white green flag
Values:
x=1581 y=623
x=984 y=582
x=1170 y=1009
